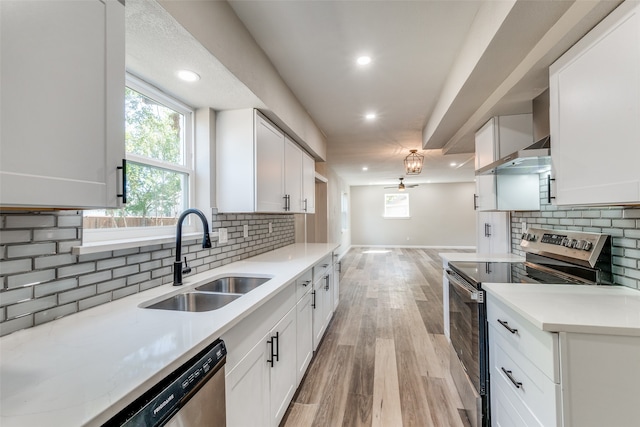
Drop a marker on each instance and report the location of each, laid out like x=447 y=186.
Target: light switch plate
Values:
x=222 y=235
x=270 y=228
x=245 y=231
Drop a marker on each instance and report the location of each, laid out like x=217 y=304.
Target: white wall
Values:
x=336 y=186
x=442 y=215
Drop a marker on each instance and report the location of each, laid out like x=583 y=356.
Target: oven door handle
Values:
x=468 y=290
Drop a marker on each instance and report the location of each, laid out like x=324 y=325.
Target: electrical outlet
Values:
x=270 y=228
x=245 y=231
x=222 y=235
x=524 y=226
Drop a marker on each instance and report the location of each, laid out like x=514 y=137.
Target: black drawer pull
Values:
x=506 y=325
x=518 y=384
x=313 y=299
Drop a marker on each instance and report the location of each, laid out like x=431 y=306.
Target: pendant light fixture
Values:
x=413 y=163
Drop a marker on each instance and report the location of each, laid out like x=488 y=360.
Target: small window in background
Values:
x=158 y=141
x=396 y=206
x=344 y=210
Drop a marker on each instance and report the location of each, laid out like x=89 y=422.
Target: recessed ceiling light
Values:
x=364 y=168
x=188 y=76
x=364 y=60
x=453 y=163
x=370 y=116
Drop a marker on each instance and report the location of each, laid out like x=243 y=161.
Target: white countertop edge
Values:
x=479 y=257
x=540 y=315
x=26 y=350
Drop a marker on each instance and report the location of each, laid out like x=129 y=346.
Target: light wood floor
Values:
x=384 y=358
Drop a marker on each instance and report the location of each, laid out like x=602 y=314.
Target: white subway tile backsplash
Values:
x=76 y=269
x=32 y=278
x=55 y=234
x=55 y=313
x=76 y=294
x=88 y=280
x=31 y=306
x=55 y=287
x=54 y=261
x=29 y=221
x=15 y=295
x=15 y=266
x=29 y=250
x=15 y=236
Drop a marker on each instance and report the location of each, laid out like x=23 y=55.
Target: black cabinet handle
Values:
x=509 y=375
x=326 y=282
x=123 y=194
x=305 y=205
x=475 y=202
x=506 y=325
x=306 y=283
x=271 y=360
x=549 y=179
x=313 y=299
x=277 y=338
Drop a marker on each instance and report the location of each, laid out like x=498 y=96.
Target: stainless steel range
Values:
x=551 y=256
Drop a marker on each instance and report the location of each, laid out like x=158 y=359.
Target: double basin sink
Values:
x=211 y=295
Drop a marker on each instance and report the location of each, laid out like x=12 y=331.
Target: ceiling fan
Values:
x=401 y=186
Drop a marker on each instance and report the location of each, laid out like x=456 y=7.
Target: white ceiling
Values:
x=415 y=48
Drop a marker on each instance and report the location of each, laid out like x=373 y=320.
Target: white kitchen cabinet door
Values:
x=486 y=195
x=328 y=297
x=308 y=184
x=62 y=117
x=335 y=285
x=594 y=109
x=283 y=372
x=293 y=176
x=493 y=233
x=269 y=167
x=486 y=146
x=319 y=310
x=248 y=384
x=304 y=332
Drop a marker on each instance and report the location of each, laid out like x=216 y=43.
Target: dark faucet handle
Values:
x=186 y=269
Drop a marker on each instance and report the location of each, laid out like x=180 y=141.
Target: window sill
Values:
x=114 y=245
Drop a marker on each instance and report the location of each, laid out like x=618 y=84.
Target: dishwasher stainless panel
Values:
x=191 y=396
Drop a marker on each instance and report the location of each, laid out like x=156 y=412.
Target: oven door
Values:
x=464 y=325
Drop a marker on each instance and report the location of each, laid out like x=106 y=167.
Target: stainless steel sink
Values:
x=195 y=301
x=233 y=285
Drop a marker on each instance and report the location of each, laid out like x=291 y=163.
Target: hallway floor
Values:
x=384 y=360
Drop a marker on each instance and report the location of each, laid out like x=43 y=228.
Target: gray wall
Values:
x=41 y=280
x=442 y=215
x=622 y=223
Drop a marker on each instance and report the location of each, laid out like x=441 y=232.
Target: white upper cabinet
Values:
x=270 y=156
x=308 y=183
x=258 y=167
x=595 y=114
x=498 y=138
x=62 y=117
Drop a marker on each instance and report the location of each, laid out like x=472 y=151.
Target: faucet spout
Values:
x=206 y=242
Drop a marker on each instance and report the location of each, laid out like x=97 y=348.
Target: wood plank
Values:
x=358 y=411
x=300 y=415
x=332 y=405
x=386 y=394
x=443 y=412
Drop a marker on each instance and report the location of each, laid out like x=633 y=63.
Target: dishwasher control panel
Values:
x=158 y=404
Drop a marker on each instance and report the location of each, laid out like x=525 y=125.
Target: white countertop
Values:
x=84 y=368
x=609 y=310
x=479 y=257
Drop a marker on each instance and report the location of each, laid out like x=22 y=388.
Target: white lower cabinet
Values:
x=282 y=365
x=304 y=329
x=548 y=379
x=270 y=350
x=335 y=285
x=493 y=234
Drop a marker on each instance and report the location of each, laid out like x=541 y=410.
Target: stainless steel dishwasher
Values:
x=192 y=396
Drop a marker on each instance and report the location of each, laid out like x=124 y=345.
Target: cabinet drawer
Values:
x=539 y=347
x=526 y=386
x=303 y=284
x=320 y=269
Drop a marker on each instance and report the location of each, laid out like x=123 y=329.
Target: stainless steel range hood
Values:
x=534 y=159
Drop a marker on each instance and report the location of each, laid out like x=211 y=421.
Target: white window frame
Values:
x=386 y=216
x=92 y=236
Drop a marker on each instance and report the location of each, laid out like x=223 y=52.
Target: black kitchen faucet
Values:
x=206 y=243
